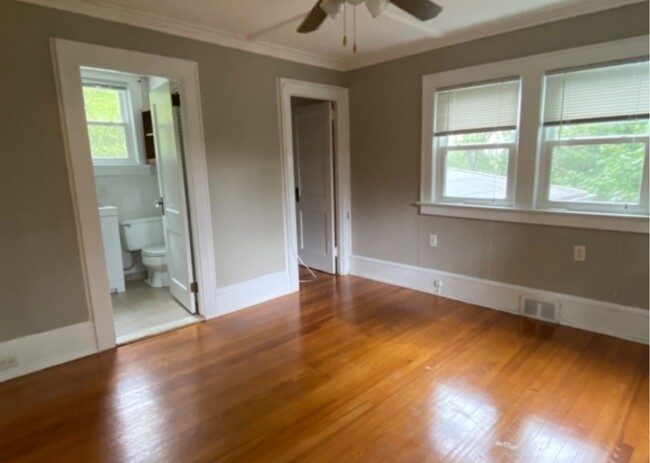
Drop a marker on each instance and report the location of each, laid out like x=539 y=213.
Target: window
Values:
x=475 y=133
x=111 y=126
x=555 y=139
x=595 y=132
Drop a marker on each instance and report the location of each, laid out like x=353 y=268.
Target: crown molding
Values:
x=502 y=26
x=187 y=30
x=226 y=39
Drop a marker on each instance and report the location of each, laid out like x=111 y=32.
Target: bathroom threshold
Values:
x=143 y=311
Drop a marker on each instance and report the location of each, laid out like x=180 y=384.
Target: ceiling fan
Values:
x=420 y=9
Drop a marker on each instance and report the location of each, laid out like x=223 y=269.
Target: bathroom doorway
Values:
x=69 y=59
x=136 y=147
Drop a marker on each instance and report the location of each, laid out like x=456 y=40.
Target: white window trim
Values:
x=526 y=201
x=135 y=164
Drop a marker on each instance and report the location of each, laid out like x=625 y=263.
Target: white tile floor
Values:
x=142 y=311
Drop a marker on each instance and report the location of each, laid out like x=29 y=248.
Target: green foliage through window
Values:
x=102 y=104
x=604 y=172
x=107 y=142
x=107 y=129
x=485 y=161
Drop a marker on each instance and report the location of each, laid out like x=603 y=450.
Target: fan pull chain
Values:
x=354 y=31
x=345 y=28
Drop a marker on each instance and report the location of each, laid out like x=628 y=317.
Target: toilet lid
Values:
x=154 y=251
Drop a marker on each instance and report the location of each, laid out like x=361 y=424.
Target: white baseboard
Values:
x=620 y=321
x=247 y=293
x=43 y=350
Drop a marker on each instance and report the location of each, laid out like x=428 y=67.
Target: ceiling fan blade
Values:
x=313 y=20
x=421 y=9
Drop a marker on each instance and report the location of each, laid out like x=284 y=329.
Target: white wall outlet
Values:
x=433 y=241
x=580 y=253
x=8 y=361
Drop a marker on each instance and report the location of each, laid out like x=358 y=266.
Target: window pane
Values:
x=603 y=173
x=602 y=129
x=102 y=104
x=497 y=136
x=107 y=142
x=480 y=174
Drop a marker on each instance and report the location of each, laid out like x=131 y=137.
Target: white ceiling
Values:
x=269 y=26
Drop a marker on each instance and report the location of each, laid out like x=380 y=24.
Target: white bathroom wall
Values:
x=134 y=196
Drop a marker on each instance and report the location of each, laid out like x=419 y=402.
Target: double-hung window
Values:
x=595 y=139
x=564 y=142
x=111 y=125
x=475 y=142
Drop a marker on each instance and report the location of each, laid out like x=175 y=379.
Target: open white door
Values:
x=313 y=166
x=172 y=187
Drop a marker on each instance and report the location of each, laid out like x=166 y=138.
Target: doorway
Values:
x=315 y=145
x=314 y=140
x=134 y=131
x=178 y=131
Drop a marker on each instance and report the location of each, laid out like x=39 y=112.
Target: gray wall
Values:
x=41 y=284
x=40 y=267
x=386 y=112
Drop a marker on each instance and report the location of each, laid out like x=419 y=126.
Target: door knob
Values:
x=160 y=203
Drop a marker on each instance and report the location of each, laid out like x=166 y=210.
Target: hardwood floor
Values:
x=346 y=370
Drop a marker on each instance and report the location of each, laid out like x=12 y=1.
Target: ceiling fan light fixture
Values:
x=332 y=7
x=376 y=7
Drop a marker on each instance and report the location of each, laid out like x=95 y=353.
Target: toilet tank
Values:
x=139 y=233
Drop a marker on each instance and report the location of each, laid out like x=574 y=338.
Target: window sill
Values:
x=612 y=222
x=101 y=171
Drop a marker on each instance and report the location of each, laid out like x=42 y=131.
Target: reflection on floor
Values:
x=142 y=311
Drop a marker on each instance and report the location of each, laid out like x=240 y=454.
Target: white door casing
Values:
x=313 y=167
x=288 y=88
x=69 y=57
x=171 y=180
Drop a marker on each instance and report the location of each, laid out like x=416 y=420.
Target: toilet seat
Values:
x=154 y=251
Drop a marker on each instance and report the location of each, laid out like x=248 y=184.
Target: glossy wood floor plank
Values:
x=345 y=370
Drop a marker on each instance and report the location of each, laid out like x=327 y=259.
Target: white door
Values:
x=313 y=168
x=172 y=187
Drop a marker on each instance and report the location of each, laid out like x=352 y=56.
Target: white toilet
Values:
x=146 y=235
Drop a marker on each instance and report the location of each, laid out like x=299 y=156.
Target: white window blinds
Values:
x=601 y=94
x=479 y=108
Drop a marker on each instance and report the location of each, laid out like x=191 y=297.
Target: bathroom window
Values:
x=111 y=123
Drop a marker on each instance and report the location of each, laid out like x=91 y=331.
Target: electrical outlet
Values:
x=433 y=241
x=580 y=253
x=10 y=361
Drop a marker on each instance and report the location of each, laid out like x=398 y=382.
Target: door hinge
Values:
x=176 y=100
x=194 y=287
x=336 y=252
